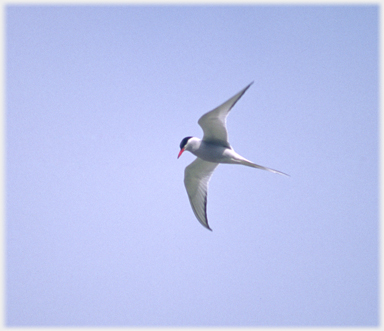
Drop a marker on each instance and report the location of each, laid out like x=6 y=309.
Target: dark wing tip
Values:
x=249 y=85
x=207 y=226
x=205 y=211
x=204 y=221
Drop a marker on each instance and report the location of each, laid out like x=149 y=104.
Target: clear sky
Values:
x=99 y=229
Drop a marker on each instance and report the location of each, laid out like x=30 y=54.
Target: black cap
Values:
x=184 y=142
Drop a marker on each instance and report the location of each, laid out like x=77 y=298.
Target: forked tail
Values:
x=253 y=165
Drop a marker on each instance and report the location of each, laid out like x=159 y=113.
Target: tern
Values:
x=212 y=150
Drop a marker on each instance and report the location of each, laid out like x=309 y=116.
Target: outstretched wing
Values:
x=196 y=179
x=213 y=123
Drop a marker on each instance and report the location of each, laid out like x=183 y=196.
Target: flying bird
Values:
x=212 y=150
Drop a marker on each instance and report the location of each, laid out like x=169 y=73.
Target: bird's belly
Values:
x=214 y=153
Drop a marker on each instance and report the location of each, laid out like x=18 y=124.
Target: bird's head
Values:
x=183 y=145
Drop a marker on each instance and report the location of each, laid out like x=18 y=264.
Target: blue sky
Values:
x=99 y=230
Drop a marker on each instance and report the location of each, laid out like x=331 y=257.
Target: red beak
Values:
x=181 y=152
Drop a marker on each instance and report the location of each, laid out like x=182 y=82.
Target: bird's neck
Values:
x=194 y=144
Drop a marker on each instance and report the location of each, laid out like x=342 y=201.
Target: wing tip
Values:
x=204 y=222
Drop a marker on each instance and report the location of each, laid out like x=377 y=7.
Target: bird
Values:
x=210 y=151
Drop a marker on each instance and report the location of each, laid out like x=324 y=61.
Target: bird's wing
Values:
x=196 y=178
x=213 y=123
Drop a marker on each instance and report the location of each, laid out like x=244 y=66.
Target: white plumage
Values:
x=213 y=149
